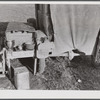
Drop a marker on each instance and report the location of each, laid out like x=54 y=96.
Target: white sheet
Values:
x=75 y=26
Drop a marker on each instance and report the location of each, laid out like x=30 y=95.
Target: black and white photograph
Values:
x=47 y=46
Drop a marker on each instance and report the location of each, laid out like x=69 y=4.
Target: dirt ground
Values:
x=60 y=74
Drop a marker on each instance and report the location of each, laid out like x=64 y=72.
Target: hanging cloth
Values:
x=75 y=27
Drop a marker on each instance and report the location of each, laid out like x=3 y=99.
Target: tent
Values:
x=72 y=26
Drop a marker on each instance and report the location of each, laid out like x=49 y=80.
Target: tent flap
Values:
x=75 y=27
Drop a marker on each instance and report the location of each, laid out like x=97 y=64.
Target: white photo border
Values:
x=49 y=94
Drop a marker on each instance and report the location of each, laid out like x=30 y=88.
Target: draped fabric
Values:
x=75 y=27
x=44 y=22
x=3 y=26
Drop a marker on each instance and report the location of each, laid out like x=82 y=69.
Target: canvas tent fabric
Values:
x=75 y=27
x=43 y=19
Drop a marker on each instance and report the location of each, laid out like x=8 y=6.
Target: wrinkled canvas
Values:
x=75 y=27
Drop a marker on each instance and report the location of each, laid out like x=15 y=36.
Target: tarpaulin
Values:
x=75 y=27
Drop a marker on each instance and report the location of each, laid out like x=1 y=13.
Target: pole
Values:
x=35 y=54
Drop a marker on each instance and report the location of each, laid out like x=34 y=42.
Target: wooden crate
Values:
x=21 y=78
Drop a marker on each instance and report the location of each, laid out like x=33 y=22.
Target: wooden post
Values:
x=9 y=68
x=4 y=60
x=35 y=65
x=41 y=65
